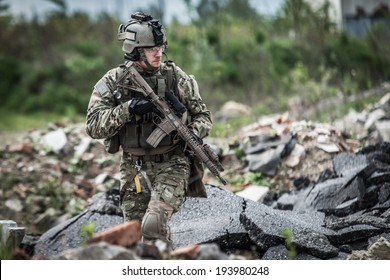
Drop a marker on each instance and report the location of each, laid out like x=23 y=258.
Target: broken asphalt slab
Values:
x=222 y=218
x=102 y=213
x=348 y=208
x=227 y=219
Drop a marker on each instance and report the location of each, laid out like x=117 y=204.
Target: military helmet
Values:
x=141 y=31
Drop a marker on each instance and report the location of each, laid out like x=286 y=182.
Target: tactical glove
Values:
x=140 y=106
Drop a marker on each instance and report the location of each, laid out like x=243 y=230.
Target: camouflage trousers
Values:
x=162 y=181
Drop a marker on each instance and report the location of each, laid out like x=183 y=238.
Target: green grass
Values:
x=12 y=122
x=13 y=126
x=230 y=127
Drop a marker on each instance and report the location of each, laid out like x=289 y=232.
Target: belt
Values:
x=158 y=157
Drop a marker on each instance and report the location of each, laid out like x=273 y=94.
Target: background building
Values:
x=357 y=16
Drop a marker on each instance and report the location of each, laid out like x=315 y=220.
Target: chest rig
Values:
x=133 y=135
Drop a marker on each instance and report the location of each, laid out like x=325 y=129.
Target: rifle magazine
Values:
x=156 y=137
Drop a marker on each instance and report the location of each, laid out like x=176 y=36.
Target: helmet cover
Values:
x=141 y=31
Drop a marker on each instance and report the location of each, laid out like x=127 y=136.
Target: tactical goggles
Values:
x=155 y=49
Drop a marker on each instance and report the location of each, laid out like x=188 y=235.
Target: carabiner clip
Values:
x=138 y=164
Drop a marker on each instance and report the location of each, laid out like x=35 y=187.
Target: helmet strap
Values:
x=133 y=56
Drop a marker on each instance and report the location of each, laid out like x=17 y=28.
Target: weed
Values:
x=86 y=231
x=291 y=249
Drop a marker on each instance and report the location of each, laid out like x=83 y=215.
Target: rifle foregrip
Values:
x=211 y=153
x=204 y=153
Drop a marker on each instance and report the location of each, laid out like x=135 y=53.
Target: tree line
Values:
x=50 y=64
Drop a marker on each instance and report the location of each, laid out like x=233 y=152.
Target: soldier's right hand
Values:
x=140 y=106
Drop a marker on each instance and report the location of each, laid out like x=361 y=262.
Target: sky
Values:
x=123 y=8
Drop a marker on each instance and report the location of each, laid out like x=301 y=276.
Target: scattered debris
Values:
x=52 y=179
x=234 y=224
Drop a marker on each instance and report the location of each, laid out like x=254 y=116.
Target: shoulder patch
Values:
x=102 y=87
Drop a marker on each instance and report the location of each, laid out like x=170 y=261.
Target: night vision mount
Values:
x=141 y=16
x=157 y=27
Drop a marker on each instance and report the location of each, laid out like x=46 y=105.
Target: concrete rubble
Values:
x=330 y=194
x=11 y=235
x=234 y=224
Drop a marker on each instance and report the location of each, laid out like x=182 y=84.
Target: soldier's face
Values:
x=154 y=55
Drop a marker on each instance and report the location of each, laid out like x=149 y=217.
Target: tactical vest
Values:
x=132 y=136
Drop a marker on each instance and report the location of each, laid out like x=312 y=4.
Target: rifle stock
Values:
x=171 y=122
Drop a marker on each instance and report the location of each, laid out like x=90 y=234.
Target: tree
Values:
x=61 y=4
x=3 y=7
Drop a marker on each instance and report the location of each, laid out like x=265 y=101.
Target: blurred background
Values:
x=265 y=54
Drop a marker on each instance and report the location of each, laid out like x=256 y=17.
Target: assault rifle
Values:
x=171 y=122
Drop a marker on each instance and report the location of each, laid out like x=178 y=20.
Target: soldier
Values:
x=154 y=181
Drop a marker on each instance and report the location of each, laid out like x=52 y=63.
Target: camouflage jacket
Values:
x=105 y=117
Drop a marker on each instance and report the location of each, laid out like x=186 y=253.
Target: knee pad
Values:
x=155 y=222
x=153 y=225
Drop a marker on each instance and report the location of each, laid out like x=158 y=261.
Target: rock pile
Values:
x=235 y=224
x=329 y=195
